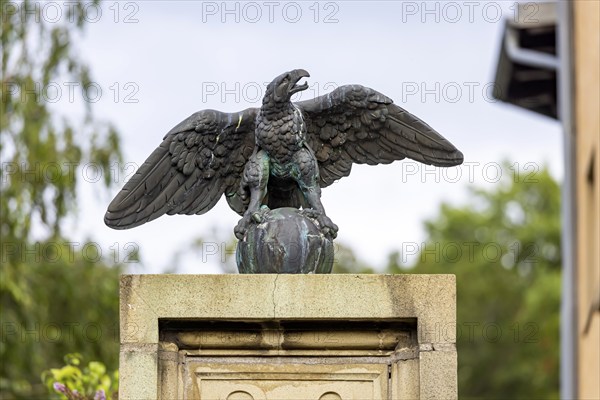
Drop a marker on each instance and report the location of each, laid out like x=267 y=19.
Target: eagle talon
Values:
x=256 y=217
x=259 y=216
x=242 y=227
x=328 y=228
x=310 y=213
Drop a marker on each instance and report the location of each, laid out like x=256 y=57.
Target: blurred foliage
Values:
x=504 y=248
x=56 y=296
x=346 y=262
x=90 y=383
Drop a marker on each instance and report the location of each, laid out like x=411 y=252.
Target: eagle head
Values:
x=281 y=89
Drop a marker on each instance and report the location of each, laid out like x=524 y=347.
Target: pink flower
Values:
x=59 y=387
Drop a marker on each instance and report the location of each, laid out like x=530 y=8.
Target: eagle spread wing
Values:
x=199 y=160
x=356 y=124
x=204 y=156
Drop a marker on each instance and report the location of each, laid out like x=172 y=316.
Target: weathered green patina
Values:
x=286 y=241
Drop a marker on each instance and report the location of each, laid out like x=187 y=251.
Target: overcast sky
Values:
x=158 y=62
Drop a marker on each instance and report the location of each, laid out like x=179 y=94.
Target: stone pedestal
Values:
x=265 y=337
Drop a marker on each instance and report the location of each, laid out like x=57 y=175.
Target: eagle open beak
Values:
x=298 y=74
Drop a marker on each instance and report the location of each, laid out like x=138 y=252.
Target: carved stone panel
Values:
x=285 y=380
x=286 y=360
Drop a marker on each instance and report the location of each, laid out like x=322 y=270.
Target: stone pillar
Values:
x=323 y=337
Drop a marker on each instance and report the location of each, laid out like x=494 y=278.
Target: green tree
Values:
x=504 y=247
x=54 y=300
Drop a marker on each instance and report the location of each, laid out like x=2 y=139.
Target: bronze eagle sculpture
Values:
x=278 y=155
